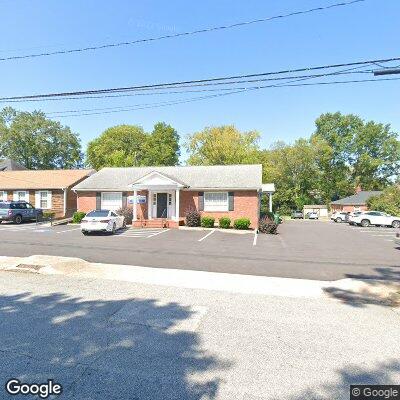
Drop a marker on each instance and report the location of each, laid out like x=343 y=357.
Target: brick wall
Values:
x=245 y=206
x=86 y=201
x=348 y=208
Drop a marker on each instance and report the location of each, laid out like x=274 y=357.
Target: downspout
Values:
x=65 y=202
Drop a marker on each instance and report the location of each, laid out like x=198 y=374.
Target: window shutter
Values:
x=37 y=199
x=98 y=200
x=201 y=201
x=49 y=200
x=231 y=201
x=124 y=194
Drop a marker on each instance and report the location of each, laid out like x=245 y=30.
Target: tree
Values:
x=222 y=145
x=162 y=146
x=388 y=201
x=362 y=153
x=37 y=142
x=118 y=146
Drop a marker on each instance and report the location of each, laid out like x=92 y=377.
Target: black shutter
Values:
x=231 y=201
x=201 y=201
x=98 y=201
x=124 y=194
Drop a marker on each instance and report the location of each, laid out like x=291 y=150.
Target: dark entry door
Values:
x=161 y=205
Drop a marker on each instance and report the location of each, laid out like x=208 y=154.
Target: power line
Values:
x=79 y=113
x=181 y=83
x=196 y=32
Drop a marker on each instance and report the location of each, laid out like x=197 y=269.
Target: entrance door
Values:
x=162 y=205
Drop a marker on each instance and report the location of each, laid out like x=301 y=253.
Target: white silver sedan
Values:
x=102 y=221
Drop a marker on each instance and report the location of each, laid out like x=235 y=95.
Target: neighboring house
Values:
x=321 y=210
x=357 y=202
x=10 y=165
x=49 y=190
x=168 y=192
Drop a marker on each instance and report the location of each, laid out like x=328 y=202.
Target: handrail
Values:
x=163 y=218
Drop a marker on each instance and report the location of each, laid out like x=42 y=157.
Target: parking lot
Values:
x=302 y=249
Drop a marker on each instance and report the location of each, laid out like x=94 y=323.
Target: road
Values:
x=303 y=249
x=118 y=340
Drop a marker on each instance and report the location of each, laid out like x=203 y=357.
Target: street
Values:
x=116 y=340
x=302 y=249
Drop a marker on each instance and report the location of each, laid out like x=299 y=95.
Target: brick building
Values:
x=157 y=193
x=357 y=202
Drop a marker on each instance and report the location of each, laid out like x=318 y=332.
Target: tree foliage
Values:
x=222 y=145
x=388 y=201
x=37 y=142
x=130 y=146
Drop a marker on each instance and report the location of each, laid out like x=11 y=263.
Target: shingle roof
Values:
x=10 y=165
x=358 y=199
x=41 y=179
x=198 y=177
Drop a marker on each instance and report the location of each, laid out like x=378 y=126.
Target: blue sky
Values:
x=366 y=30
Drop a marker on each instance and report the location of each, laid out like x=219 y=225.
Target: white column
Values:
x=134 y=205
x=270 y=202
x=177 y=204
x=150 y=205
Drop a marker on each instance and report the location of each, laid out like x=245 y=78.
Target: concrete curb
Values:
x=343 y=290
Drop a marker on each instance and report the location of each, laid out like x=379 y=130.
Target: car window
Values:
x=4 y=205
x=29 y=205
x=113 y=214
x=98 y=213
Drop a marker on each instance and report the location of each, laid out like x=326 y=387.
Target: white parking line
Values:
x=208 y=234
x=385 y=234
x=157 y=233
x=69 y=230
x=255 y=238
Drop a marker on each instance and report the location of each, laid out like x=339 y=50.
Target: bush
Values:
x=127 y=212
x=192 y=217
x=207 y=222
x=78 y=217
x=48 y=214
x=388 y=201
x=267 y=226
x=241 y=223
x=224 y=222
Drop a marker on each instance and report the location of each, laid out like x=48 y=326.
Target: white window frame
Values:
x=17 y=198
x=112 y=208
x=38 y=199
x=3 y=195
x=216 y=201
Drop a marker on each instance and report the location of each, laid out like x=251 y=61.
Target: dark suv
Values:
x=19 y=211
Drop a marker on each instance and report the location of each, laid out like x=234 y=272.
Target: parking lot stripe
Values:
x=385 y=234
x=255 y=238
x=208 y=234
x=69 y=230
x=157 y=233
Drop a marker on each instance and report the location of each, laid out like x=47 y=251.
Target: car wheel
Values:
x=365 y=223
x=338 y=220
x=396 y=224
x=85 y=233
x=18 y=219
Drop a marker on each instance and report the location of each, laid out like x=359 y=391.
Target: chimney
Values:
x=358 y=189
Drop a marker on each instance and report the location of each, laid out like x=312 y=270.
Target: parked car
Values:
x=352 y=215
x=339 y=216
x=377 y=218
x=102 y=221
x=312 y=215
x=19 y=211
x=297 y=214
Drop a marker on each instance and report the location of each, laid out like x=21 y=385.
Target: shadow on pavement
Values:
x=127 y=349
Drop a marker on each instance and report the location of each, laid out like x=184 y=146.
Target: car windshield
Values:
x=98 y=213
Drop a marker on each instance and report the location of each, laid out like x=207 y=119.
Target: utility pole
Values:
x=387 y=71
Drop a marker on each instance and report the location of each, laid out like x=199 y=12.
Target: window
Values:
x=169 y=199
x=216 y=201
x=3 y=195
x=154 y=199
x=21 y=195
x=98 y=213
x=111 y=201
x=43 y=199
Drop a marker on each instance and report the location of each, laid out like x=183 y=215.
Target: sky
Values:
x=362 y=31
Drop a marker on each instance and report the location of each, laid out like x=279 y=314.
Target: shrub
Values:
x=127 y=212
x=241 y=223
x=224 y=222
x=207 y=222
x=267 y=226
x=192 y=217
x=48 y=214
x=78 y=217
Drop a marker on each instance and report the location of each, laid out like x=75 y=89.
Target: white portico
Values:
x=163 y=195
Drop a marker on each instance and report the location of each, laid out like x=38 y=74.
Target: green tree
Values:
x=37 y=142
x=222 y=145
x=118 y=146
x=162 y=146
x=388 y=201
x=362 y=153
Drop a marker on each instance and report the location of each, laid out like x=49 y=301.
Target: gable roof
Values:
x=194 y=177
x=357 y=199
x=7 y=164
x=42 y=179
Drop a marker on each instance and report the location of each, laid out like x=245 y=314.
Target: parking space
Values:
x=302 y=249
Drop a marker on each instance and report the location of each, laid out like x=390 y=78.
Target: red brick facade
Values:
x=246 y=205
x=348 y=208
